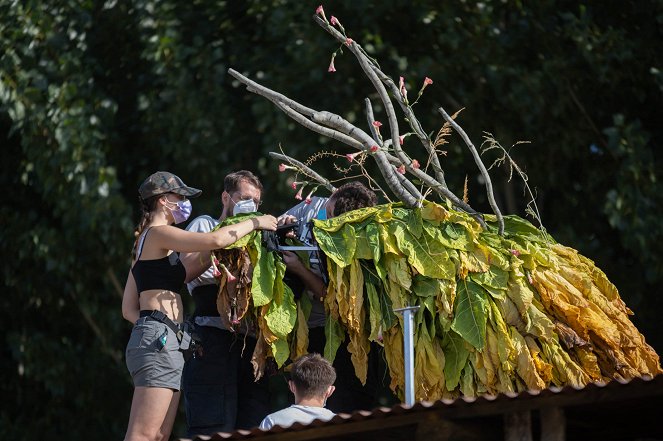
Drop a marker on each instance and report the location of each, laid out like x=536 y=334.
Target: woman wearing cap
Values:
x=151 y=300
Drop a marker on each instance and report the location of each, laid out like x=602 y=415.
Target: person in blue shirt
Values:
x=350 y=394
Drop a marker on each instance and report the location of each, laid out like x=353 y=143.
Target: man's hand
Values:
x=292 y=262
x=286 y=219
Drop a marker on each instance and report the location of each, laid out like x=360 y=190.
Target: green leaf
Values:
x=425 y=286
x=455 y=357
x=398 y=270
x=372 y=233
x=279 y=286
x=495 y=278
x=280 y=351
x=339 y=246
x=363 y=249
x=374 y=310
x=355 y=216
x=515 y=226
x=427 y=256
x=262 y=281
x=470 y=313
x=334 y=336
x=281 y=317
x=414 y=222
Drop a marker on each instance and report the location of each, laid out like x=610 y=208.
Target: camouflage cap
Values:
x=164 y=182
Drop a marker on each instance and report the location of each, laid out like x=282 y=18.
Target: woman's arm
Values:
x=130 y=304
x=172 y=238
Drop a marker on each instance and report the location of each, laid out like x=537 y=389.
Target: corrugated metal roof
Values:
x=466 y=407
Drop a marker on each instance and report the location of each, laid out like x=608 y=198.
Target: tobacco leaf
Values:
x=470 y=314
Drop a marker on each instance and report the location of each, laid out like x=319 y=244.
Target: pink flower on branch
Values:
x=321 y=12
x=283 y=167
x=215 y=268
x=377 y=125
x=331 y=65
x=229 y=275
x=427 y=81
x=401 y=169
x=348 y=41
x=294 y=185
x=374 y=149
x=298 y=196
x=401 y=139
x=415 y=164
x=401 y=87
x=334 y=21
x=351 y=156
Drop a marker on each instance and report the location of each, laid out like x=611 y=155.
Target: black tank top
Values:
x=167 y=273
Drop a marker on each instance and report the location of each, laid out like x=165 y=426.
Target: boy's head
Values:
x=312 y=377
x=350 y=196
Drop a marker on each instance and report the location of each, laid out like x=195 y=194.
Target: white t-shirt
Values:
x=296 y=414
x=202 y=224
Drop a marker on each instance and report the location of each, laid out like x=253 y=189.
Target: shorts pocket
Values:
x=144 y=335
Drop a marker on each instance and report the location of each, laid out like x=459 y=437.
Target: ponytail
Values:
x=146 y=208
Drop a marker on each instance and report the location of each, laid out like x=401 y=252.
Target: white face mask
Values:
x=244 y=206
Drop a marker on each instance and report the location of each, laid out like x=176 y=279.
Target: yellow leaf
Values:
x=393 y=351
x=359 y=346
x=525 y=366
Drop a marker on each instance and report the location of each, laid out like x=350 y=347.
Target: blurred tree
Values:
x=94 y=96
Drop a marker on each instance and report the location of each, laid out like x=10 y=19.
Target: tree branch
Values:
x=482 y=168
x=305 y=169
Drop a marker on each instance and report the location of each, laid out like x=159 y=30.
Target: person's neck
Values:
x=158 y=219
x=223 y=216
x=311 y=402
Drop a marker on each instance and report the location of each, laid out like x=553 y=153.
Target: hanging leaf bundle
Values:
x=260 y=296
x=497 y=313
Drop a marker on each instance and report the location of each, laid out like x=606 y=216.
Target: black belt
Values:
x=183 y=337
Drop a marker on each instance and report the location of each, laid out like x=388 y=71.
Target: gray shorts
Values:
x=150 y=363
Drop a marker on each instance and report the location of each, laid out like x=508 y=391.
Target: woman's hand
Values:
x=265 y=222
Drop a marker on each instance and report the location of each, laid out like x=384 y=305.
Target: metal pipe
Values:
x=408 y=351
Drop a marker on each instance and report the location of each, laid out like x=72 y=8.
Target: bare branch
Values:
x=409 y=186
x=303 y=168
x=414 y=124
x=259 y=89
x=370 y=117
x=482 y=168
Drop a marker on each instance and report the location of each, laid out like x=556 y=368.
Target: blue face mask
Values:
x=322 y=214
x=182 y=210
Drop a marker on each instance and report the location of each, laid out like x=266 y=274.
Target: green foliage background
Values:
x=97 y=95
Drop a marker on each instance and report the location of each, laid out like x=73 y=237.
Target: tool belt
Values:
x=182 y=331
